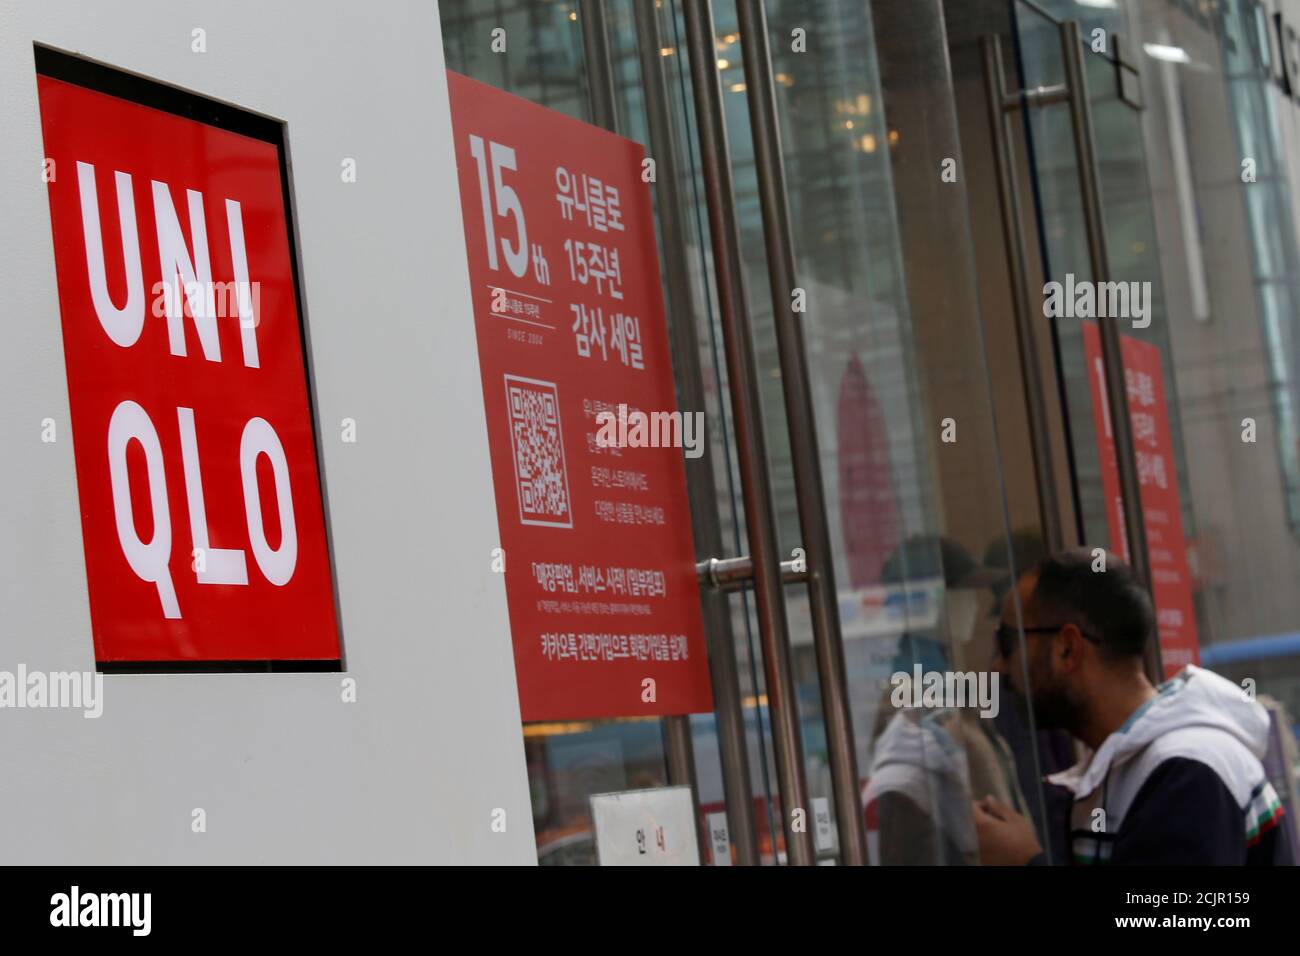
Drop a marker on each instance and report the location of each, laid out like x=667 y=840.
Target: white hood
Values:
x=920 y=740
x=1194 y=698
x=917 y=757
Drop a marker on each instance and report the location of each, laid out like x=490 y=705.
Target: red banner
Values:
x=596 y=533
x=196 y=458
x=1171 y=580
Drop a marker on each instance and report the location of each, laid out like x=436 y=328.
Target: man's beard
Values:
x=1055 y=708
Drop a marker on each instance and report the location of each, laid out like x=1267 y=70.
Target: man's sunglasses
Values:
x=1006 y=636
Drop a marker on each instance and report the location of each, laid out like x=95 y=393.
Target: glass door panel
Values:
x=916 y=514
x=1117 y=159
x=1062 y=234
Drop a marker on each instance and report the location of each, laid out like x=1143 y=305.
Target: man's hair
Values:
x=1112 y=605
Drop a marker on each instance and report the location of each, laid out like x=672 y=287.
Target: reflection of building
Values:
x=867 y=514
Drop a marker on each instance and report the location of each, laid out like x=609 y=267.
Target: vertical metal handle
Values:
x=746 y=402
x=1049 y=506
x=1112 y=354
x=679 y=746
x=600 y=72
x=769 y=168
x=728 y=711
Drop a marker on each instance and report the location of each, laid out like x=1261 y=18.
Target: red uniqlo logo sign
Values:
x=192 y=429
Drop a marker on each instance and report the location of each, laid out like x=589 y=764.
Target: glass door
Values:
x=1057 y=202
x=552 y=55
x=1093 y=204
x=918 y=556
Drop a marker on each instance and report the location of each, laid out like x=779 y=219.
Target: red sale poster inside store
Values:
x=1161 y=506
x=196 y=458
x=599 y=559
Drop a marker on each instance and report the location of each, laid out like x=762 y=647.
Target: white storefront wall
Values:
x=430 y=755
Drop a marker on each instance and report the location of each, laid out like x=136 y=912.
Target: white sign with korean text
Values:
x=645 y=828
x=719 y=839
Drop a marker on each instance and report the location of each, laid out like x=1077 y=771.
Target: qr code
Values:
x=538 y=443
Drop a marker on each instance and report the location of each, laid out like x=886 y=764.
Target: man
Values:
x=1173 y=774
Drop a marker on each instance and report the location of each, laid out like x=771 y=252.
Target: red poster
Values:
x=1161 y=507
x=599 y=559
x=191 y=425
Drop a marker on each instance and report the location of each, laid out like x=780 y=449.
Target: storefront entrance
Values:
x=928 y=285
